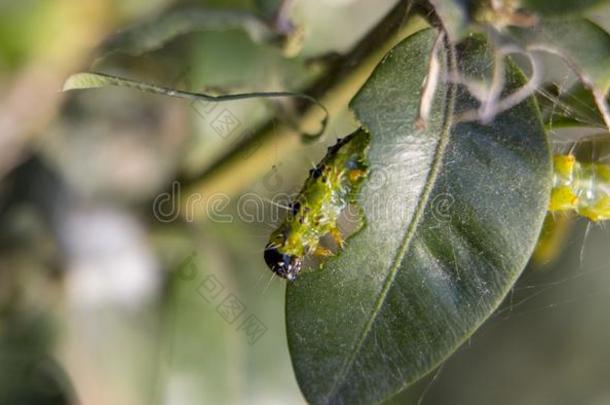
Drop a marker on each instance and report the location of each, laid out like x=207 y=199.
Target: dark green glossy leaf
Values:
x=152 y=35
x=452 y=215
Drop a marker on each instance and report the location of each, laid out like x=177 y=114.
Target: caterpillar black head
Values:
x=285 y=266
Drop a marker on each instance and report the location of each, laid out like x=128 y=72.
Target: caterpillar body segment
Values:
x=581 y=187
x=329 y=188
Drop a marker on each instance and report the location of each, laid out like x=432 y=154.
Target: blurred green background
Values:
x=104 y=301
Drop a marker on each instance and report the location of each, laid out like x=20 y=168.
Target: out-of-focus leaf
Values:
x=575 y=107
x=33 y=378
x=268 y=7
x=584 y=45
x=600 y=16
x=451 y=220
x=198 y=345
x=218 y=59
x=223 y=321
x=560 y=7
x=17 y=39
x=152 y=35
x=28 y=373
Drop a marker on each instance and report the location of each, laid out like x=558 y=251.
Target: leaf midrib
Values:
x=419 y=212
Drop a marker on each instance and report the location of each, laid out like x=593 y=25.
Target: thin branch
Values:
x=98 y=80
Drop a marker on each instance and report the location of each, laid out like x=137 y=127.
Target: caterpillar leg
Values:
x=335 y=233
x=563 y=199
x=322 y=252
x=599 y=211
x=564 y=165
x=355 y=174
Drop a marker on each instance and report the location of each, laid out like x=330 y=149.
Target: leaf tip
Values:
x=81 y=81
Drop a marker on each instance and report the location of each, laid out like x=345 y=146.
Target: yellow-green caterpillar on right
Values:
x=581 y=187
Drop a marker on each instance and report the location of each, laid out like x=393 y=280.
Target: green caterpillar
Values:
x=330 y=187
x=581 y=187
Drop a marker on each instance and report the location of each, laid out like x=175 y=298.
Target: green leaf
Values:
x=152 y=35
x=572 y=108
x=583 y=45
x=452 y=214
